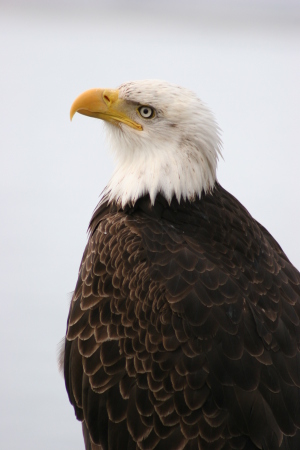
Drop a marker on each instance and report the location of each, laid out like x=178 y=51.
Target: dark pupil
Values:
x=146 y=111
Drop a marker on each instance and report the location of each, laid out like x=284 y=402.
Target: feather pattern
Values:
x=183 y=331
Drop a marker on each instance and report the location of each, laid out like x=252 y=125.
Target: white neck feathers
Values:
x=175 y=154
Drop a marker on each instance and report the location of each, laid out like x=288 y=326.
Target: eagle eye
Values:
x=146 y=112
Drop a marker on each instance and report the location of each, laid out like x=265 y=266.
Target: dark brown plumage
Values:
x=183 y=330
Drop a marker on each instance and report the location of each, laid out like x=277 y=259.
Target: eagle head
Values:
x=164 y=137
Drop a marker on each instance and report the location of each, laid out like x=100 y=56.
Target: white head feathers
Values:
x=176 y=153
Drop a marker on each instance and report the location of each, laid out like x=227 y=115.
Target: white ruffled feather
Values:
x=177 y=151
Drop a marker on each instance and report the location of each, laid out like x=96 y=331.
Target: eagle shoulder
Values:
x=184 y=328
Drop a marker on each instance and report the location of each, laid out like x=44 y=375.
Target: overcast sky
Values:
x=243 y=62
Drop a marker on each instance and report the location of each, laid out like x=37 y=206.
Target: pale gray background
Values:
x=241 y=57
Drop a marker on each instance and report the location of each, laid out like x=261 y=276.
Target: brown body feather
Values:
x=184 y=330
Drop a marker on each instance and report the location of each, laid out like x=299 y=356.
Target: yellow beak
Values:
x=103 y=104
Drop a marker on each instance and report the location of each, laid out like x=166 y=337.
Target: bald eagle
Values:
x=183 y=330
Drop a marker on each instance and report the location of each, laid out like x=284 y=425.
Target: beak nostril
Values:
x=106 y=98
